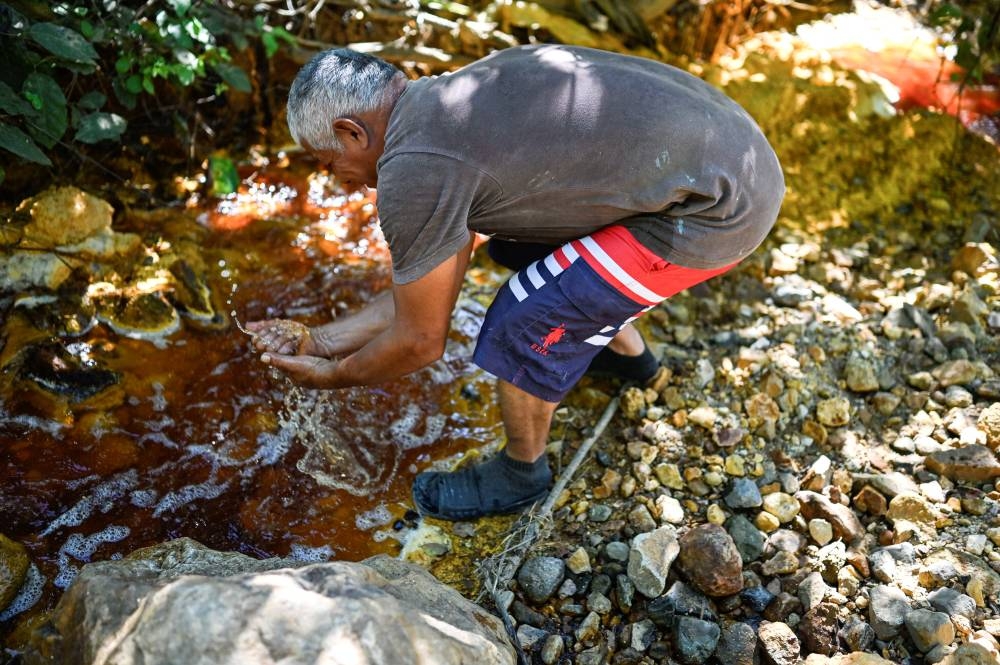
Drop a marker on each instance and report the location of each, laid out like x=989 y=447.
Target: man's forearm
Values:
x=392 y=354
x=353 y=332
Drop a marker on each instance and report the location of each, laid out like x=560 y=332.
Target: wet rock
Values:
x=737 y=645
x=680 y=600
x=597 y=655
x=843 y=520
x=708 y=556
x=818 y=629
x=650 y=558
x=856 y=634
x=744 y=493
x=552 y=649
x=231 y=607
x=887 y=610
x=64 y=216
x=540 y=576
x=53 y=368
x=695 y=639
x=833 y=412
x=779 y=644
x=747 y=538
x=860 y=374
x=782 y=506
x=973 y=463
x=989 y=424
x=138 y=315
x=929 y=629
x=14 y=564
x=952 y=603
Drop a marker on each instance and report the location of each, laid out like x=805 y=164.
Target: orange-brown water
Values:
x=207 y=442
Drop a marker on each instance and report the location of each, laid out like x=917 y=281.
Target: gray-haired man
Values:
x=609 y=182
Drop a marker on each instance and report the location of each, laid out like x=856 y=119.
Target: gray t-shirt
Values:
x=550 y=143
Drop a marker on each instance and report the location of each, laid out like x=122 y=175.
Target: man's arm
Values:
x=414 y=338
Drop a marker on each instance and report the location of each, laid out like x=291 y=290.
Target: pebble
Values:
x=552 y=649
x=812 y=590
x=737 y=645
x=670 y=509
x=589 y=628
x=650 y=558
x=669 y=476
x=952 y=603
x=640 y=519
x=749 y=540
x=857 y=635
x=975 y=463
x=708 y=556
x=887 y=610
x=833 y=412
x=929 y=629
x=14 y=565
x=860 y=374
x=757 y=598
x=989 y=424
x=625 y=592
x=766 y=522
x=643 y=634
x=820 y=530
x=843 y=520
x=579 y=561
x=955 y=372
x=782 y=563
x=616 y=550
x=598 y=602
x=529 y=636
x=680 y=600
x=540 y=577
x=743 y=493
x=695 y=639
x=975 y=543
x=600 y=513
x=703 y=416
x=781 y=505
x=818 y=629
x=971 y=654
x=779 y=643
x=716 y=515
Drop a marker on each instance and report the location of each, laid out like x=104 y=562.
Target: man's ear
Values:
x=351 y=131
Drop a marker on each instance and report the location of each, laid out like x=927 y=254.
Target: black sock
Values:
x=639 y=368
x=521 y=475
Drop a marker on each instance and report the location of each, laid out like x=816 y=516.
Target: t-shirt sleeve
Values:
x=424 y=204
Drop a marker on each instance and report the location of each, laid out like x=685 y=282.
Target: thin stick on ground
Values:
x=498 y=570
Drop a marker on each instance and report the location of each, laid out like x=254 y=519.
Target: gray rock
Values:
x=861 y=374
x=857 y=635
x=749 y=540
x=589 y=628
x=599 y=513
x=529 y=636
x=643 y=634
x=887 y=610
x=680 y=600
x=695 y=639
x=598 y=602
x=779 y=644
x=952 y=603
x=929 y=629
x=812 y=590
x=616 y=550
x=552 y=650
x=650 y=558
x=229 y=607
x=640 y=519
x=540 y=577
x=737 y=645
x=884 y=560
x=744 y=493
x=624 y=592
x=830 y=559
x=757 y=598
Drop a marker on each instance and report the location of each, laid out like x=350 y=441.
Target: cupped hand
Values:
x=308 y=371
x=282 y=336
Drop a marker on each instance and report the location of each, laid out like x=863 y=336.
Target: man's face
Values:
x=351 y=168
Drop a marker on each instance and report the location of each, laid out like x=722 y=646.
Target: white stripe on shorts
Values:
x=631 y=283
x=515 y=286
x=536 y=279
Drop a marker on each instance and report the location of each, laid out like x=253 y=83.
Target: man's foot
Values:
x=640 y=368
x=501 y=485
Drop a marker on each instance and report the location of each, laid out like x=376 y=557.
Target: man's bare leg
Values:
x=628 y=342
x=526 y=420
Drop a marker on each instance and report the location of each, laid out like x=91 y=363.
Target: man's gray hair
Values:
x=335 y=84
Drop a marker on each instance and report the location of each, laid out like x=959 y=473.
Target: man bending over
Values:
x=608 y=182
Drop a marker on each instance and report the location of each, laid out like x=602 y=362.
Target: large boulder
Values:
x=180 y=602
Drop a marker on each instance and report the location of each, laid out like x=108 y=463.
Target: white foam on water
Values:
x=402 y=428
x=376 y=517
x=103 y=498
x=310 y=554
x=143 y=498
x=50 y=427
x=82 y=548
x=273 y=447
x=185 y=495
x=158 y=398
x=31 y=591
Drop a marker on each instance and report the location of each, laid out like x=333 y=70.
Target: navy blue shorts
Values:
x=552 y=317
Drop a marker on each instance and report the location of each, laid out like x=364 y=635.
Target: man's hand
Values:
x=281 y=336
x=307 y=371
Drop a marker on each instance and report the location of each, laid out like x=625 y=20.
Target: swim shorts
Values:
x=551 y=318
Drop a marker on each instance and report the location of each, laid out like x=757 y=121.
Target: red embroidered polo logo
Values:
x=555 y=334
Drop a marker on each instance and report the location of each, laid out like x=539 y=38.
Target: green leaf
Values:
x=234 y=77
x=223 y=176
x=127 y=98
x=92 y=101
x=11 y=103
x=180 y=7
x=49 y=122
x=270 y=44
x=63 y=42
x=134 y=84
x=147 y=85
x=100 y=127
x=123 y=64
x=87 y=29
x=14 y=140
